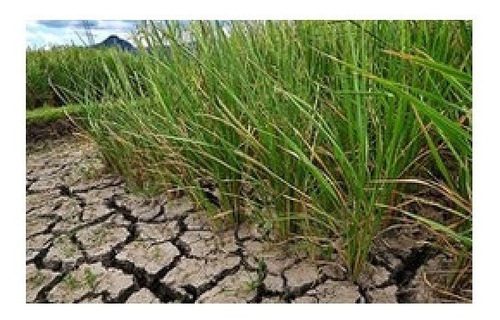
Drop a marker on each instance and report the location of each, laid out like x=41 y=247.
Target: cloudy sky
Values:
x=41 y=33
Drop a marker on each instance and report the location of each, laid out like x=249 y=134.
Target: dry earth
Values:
x=88 y=240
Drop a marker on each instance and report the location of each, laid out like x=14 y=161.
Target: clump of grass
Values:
x=37 y=279
x=156 y=253
x=47 y=115
x=313 y=124
x=71 y=282
x=99 y=236
x=67 y=74
x=90 y=278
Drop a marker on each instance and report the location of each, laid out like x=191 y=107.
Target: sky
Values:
x=45 y=33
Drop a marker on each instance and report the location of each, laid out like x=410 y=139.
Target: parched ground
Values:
x=88 y=240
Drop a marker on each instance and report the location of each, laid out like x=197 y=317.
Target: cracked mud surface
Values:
x=88 y=240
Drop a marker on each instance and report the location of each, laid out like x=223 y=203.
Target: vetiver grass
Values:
x=321 y=129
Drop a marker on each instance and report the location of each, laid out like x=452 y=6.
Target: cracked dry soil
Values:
x=88 y=240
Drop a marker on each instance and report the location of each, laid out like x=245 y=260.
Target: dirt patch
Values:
x=88 y=240
x=37 y=132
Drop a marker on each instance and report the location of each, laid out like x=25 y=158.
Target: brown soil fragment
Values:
x=199 y=273
x=158 y=232
x=301 y=275
x=237 y=288
x=306 y=299
x=142 y=208
x=275 y=259
x=95 y=211
x=177 y=208
x=198 y=221
x=36 y=280
x=63 y=253
x=274 y=283
x=200 y=243
x=100 y=239
x=149 y=256
x=373 y=276
x=46 y=200
x=36 y=244
x=272 y=300
x=385 y=295
x=143 y=296
x=36 y=224
x=87 y=279
x=334 y=292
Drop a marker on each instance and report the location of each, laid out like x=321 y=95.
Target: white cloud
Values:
x=64 y=32
x=121 y=25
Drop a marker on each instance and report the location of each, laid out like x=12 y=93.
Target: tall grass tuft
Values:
x=315 y=127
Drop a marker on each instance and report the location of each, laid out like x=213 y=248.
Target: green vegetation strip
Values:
x=68 y=75
x=48 y=115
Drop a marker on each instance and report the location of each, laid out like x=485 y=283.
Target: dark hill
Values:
x=117 y=42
